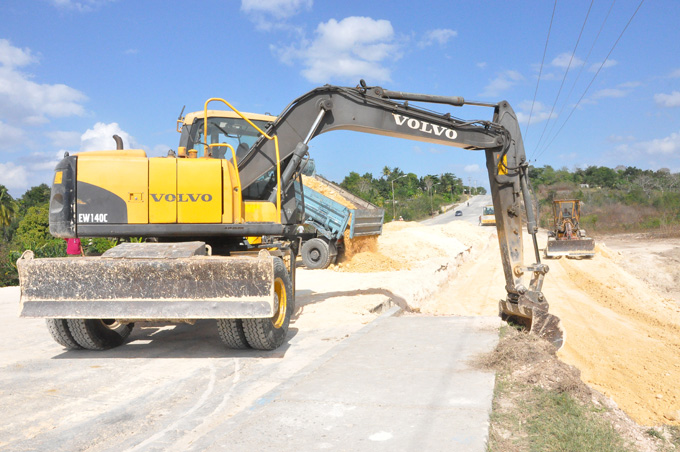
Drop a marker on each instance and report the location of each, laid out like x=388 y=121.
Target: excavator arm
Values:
x=378 y=111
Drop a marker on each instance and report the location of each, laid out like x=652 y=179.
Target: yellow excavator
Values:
x=224 y=217
x=567 y=238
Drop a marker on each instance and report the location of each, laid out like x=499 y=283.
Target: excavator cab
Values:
x=567 y=238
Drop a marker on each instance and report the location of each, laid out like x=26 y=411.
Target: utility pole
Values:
x=394 y=209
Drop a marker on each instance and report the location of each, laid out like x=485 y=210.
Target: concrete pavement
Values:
x=400 y=384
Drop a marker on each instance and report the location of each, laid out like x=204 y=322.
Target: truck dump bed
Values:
x=331 y=217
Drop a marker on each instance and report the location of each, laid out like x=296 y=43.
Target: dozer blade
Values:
x=571 y=248
x=196 y=287
x=536 y=318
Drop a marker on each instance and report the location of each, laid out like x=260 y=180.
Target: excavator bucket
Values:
x=535 y=318
x=148 y=281
x=583 y=247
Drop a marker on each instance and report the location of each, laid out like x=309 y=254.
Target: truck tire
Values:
x=268 y=334
x=316 y=254
x=61 y=334
x=98 y=334
x=231 y=333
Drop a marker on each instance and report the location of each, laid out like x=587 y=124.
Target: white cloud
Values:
x=668 y=100
x=13 y=176
x=596 y=66
x=353 y=48
x=64 y=139
x=11 y=56
x=675 y=74
x=10 y=136
x=471 y=168
x=81 y=5
x=27 y=102
x=620 y=138
x=100 y=137
x=665 y=146
x=45 y=161
x=502 y=82
x=268 y=14
x=440 y=36
x=610 y=92
x=540 y=112
x=562 y=60
x=481 y=65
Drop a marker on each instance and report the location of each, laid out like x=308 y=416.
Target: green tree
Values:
x=35 y=196
x=33 y=232
x=8 y=207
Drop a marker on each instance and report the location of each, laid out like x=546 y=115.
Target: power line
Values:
x=540 y=71
x=571 y=59
x=593 y=79
x=578 y=76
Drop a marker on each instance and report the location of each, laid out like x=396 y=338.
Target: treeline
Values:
x=414 y=197
x=624 y=199
x=24 y=225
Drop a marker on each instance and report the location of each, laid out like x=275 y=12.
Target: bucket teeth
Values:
x=535 y=318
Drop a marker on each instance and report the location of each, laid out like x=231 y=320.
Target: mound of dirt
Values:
x=405 y=245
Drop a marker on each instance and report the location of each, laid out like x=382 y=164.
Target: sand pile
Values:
x=405 y=245
x=327 y=191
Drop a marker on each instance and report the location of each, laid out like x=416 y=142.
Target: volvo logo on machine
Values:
x=424 y=126
x=181 y=197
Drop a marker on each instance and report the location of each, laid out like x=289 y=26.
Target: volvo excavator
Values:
x=224 y=217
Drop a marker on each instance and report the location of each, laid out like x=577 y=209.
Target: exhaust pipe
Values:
x=119 y=142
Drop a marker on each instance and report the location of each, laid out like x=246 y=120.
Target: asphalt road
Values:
x=470 y=212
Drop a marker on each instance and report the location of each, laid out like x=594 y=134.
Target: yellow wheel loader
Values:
x=566 y=237
x=224 y=216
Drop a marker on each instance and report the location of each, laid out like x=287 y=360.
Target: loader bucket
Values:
x=535 y=318
x=584 y=247
x=152 y=287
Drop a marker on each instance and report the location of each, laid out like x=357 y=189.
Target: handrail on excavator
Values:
x=276 y=146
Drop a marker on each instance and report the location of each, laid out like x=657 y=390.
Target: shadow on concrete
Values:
x=166 y=340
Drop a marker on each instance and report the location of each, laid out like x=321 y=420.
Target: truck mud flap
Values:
x=571 y=248
x=197 y=287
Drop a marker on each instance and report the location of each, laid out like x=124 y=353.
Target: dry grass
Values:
x=541 y=404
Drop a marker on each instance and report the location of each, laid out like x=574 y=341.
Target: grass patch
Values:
x=559 y=422
x=540 y=404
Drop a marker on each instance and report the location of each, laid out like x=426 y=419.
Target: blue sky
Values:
x=74 y=72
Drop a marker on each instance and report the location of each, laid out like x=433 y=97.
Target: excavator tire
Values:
x=232 y=334
x=98 y=334
x=61 y=334
x=316 y=254
x=270 y=333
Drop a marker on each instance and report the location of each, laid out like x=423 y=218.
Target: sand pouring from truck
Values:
x=225 y=216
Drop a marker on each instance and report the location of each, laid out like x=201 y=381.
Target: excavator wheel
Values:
x=268 y=334
x=61 y=334
x=99 y=334
x=232 y=334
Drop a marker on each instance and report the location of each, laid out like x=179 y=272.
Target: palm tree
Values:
x=8 y=207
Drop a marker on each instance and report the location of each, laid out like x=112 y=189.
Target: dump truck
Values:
x=332 y=218
x=225 y=218
x=567 y=238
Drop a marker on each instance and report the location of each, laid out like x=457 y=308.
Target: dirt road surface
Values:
x=620 y=310
x=170 y=384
